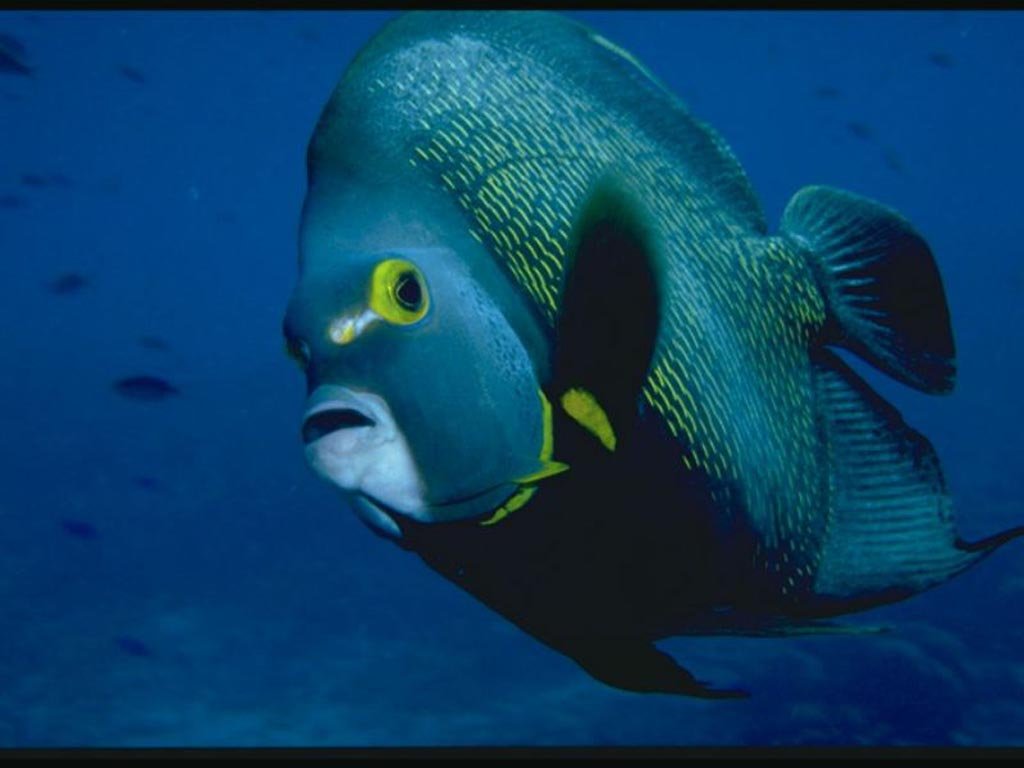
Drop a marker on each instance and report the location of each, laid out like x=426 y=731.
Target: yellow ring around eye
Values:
x=387 y=278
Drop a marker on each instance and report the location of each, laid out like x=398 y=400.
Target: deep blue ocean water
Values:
x=171 y=573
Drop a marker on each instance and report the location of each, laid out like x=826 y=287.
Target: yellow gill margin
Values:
x=548 y=468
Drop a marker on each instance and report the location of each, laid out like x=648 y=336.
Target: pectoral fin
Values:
x=608 y=323
x=636 y=665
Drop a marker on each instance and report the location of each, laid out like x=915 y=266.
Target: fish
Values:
x=892 y=160
x=941 y=59
x=13 y=55
x=827 y=92
x=145 y=387
x=146 y=482
x=45 y=180
x=132 y=646
x=860 y=130
x=79 y=529
x=153 y=342
x=552 y=349
x=33 y=180
x=13 y=201
x=68 y=283
x=133 y=74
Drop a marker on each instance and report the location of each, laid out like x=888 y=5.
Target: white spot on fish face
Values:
x=346 y=329
x=353 y=442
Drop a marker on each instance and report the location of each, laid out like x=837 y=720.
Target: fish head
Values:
x=422 y=362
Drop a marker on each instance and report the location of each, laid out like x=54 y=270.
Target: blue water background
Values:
x=227 y=598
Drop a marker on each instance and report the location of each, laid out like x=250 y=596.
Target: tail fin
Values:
x=891 y=531
x=882 y=286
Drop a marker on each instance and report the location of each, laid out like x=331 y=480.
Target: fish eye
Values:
x=398 y=292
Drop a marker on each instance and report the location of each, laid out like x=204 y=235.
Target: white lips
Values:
x=374 y=460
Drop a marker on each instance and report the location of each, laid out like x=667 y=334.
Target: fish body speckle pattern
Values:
x=519 y=143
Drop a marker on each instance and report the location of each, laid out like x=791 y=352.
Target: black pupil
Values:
x=408 y=291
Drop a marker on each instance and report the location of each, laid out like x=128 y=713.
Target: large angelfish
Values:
x=552 y=349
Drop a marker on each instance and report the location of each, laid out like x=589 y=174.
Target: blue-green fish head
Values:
x=422 y=363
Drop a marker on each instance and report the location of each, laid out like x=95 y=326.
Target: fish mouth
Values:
x=331 y=417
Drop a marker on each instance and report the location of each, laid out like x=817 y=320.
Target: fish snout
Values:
x=352 y=441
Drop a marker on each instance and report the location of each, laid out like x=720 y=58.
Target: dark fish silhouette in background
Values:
x=153 y=342
x=146 y=483
x=41 y=180
x=860 y=130
x=132 y=646
x=68 y=283
x=827 y=93
x=892 y=161
x=145 y=388
x=941 y=59
x=12 y=56
x=11 y=201
x=80 y=529
x=552 y=348
x=131 y=73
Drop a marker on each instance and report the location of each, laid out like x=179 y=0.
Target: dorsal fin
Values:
x=608 y=322
x=883 y=289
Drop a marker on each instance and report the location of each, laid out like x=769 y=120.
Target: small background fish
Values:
x=145 y=387
x=68 y=283
x=13 y=56
x=79 y=529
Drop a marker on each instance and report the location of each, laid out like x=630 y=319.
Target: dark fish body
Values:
x=131 y=73
x=153 y=342
x=12 y=45
x=13 y=201
x=132 y=646
x=859 y=129
x=12 y=56
x=147 y=483
x=79 y=529
x=727 y=472
x=148 y=388
x=68 y=283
